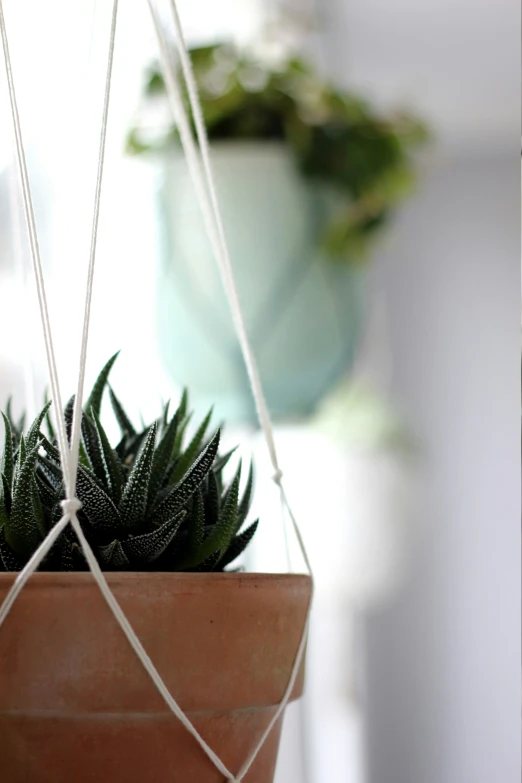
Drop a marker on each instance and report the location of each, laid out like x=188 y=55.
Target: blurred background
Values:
x=366 y=155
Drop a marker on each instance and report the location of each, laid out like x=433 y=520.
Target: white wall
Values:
x=443 y=665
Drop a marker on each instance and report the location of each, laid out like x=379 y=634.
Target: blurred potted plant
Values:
x=308 y=177
x=75 y=703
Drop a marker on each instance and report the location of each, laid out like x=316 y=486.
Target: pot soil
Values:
x=76 y=704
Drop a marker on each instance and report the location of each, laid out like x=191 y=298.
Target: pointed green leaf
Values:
x=93 y=450
x=111 y=461
x=48 y=420
x=133 y=504
x=212 y=500
x=113 y=557
x=68 y=415
x=246 y=499
x=197 y=527
x=192 y=479
x=10 y=559
x=121 y=417
x=33 y=434
x=238 y=545
x=95 y=398
x=162 y=457
x=184 y=422
x=208 y=565
x=149 y=546
x=223 y=531
x=5 y=494
x=4 y=516
x=223 y=460
x=6 y=464
x=96 y=504
x=189 y=455
x=22 y=533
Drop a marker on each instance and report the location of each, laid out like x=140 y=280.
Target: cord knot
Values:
x=71 y=506
x=278 y=477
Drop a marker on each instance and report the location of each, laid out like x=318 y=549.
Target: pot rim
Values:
x=250 y=579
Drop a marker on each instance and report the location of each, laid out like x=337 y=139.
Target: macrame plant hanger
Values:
x=199 y=163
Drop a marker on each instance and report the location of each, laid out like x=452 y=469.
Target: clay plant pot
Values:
x=76 y=706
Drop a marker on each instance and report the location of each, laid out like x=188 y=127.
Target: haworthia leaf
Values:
x=149 y=546
x=162 y=459
x=111 y=460
x=192 y=479
x=6 y=464
x=212 y=500
x=209 y=564
x=165 y=417
x=196 y=530
x=4 y=516
x=189 y=455
x=5 y=494
x=133 y=504
x=184 y=422
x=113 y=557
x=95 y=398
x=48 y=421
x=96 y=504
x=246 y=499
x=47 y=492
x=10 y=560
x=223 y=460
x=93 y=450
x=222 y=532
x=123 y=420
x=33 y=434
x=183 y=405
x=238 y=545
x=68 y=415
x=22 y=533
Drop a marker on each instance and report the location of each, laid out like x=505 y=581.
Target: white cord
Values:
x=205 y=188
x=78 y=403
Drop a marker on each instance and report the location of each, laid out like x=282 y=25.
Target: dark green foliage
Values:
x=151 y=503
x=338 y=140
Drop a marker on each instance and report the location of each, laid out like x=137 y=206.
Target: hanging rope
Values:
x=198 y=158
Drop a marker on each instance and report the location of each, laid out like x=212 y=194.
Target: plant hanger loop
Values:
x=198 y=159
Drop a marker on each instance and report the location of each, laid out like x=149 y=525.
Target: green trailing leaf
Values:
x=113 y=467
x=133 y=504
x=6 y=464
x=123 y=420
x=147 y=547
x=223 y=531
x=191 y=452
x=95 y=398
x=192 y=479
x=238 y=545
x=22 y=532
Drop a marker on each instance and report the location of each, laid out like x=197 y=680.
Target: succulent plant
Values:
x=156 y=501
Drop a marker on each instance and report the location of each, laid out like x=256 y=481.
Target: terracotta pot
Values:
x=76 y=706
